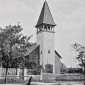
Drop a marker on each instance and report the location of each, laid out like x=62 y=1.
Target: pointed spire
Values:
x=45 y=16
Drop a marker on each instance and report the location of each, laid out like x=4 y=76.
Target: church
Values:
x=41 y=56
x=43 y=51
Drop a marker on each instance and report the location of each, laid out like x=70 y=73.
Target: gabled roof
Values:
x=45 y=16
x=31 y=49
x=57 y=54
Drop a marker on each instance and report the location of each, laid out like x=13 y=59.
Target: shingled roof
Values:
x=31 y=49
x=45 y=16
x=34 y=46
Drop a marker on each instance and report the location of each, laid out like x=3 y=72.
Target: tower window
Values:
x=49 y=51
x=41 y=52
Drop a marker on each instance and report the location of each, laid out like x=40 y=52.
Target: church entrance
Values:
x=49 y=68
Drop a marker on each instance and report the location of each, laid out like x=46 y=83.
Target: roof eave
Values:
x=44 y=24
x=58 y=54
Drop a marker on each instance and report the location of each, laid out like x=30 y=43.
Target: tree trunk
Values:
x=23 y=73
x=84 y=74
x=16 y=71
x=6 y=75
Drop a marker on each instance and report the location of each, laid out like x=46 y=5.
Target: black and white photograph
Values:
x=42 y=42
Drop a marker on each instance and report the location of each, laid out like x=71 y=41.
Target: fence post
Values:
x=18 y=72
x=25 y=73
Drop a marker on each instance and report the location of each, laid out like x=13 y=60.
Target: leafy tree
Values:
x=80 y=49
x=13 y=46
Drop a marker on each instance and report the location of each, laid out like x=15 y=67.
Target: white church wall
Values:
x=48 y=49
x=57 y=64
x=46 y=42
x=40 y=42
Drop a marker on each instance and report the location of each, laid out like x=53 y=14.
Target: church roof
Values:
x=31 y=49
x=45 y=16
x=57 y=54
x=34 y=46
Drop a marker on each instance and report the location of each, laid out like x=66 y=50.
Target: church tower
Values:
x=45 y=38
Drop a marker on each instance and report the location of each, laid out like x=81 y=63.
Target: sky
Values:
x=69 y=15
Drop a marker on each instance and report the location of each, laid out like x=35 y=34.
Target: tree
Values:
x=13 y=46
x=81 y=55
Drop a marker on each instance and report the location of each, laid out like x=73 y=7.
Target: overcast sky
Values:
x=69 y=15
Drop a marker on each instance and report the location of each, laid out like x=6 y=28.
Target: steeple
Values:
x=45 y=17
x=45 y=39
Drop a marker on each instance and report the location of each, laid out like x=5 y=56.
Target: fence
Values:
x=11 y=71
x=17 y=73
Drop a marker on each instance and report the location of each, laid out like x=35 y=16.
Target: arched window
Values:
x=45 y=27
x=49 y=51
x=49 y=27
x=41 y=52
